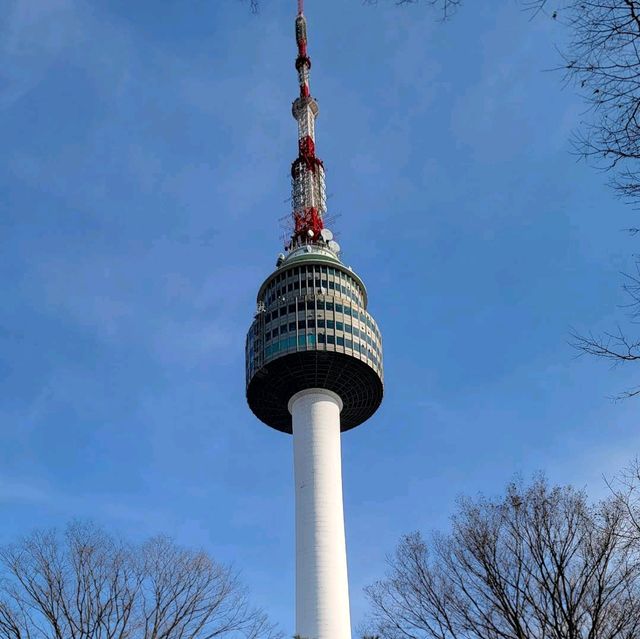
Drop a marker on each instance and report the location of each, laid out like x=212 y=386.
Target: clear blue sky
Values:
x=143 y=169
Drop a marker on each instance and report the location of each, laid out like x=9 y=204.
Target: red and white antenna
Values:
x=308 y=193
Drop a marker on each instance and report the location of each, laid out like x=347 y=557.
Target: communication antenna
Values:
x=326 y=235
x=334 y=246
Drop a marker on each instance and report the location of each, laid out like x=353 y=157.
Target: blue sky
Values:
x=143 y=170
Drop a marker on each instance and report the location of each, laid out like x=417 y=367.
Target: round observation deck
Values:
x=312 y=330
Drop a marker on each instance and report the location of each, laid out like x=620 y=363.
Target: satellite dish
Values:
x=310 y=233
x=326 y=235
x=334 y=246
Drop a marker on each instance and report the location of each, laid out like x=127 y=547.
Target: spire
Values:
x=308 y=195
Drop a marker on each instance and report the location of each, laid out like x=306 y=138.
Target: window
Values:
x=331 y=339
x=348 y=343
x=283 y=329
x=302 y=324
x=331 y=285
x=292 y=308
x=320 y=338
x=356 y=332
x=300 y=340
x=332 y=271
x=330 y=306
x=330 y=324
x=296 y=285
x=292 y=326
x=289 y=287
x=347 y=310
x=311 y=339
x=343 y=289
x=324 y=284
x=283 y=311
x=275 y=332
x=339 y=326
x=320 y=323
x=340 y=341
x=291 y=342
x=339 y=308
x=347 y=327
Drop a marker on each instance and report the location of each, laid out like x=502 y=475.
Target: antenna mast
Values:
x=308 y=192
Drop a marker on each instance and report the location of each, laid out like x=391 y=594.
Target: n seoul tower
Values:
x=314 y=369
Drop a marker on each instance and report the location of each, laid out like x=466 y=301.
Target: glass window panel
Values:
x=300 y=340
x=340 y=341
x=330 y=324
x=338 y=308
x=321 y=338
x=331 y=339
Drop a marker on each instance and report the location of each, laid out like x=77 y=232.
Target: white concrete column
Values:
x=322 y=590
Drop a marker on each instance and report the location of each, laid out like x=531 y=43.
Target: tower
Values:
x=314 y=369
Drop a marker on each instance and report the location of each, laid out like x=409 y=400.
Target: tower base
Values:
x=322 y=591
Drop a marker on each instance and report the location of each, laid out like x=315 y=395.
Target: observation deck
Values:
x=312 y=330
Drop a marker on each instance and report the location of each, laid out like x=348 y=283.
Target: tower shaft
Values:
x=322 y=591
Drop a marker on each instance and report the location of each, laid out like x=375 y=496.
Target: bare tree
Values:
x=539 y=563
x=625 y=489
x=86 y=585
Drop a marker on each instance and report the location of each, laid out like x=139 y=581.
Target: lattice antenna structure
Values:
x=308 y=191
